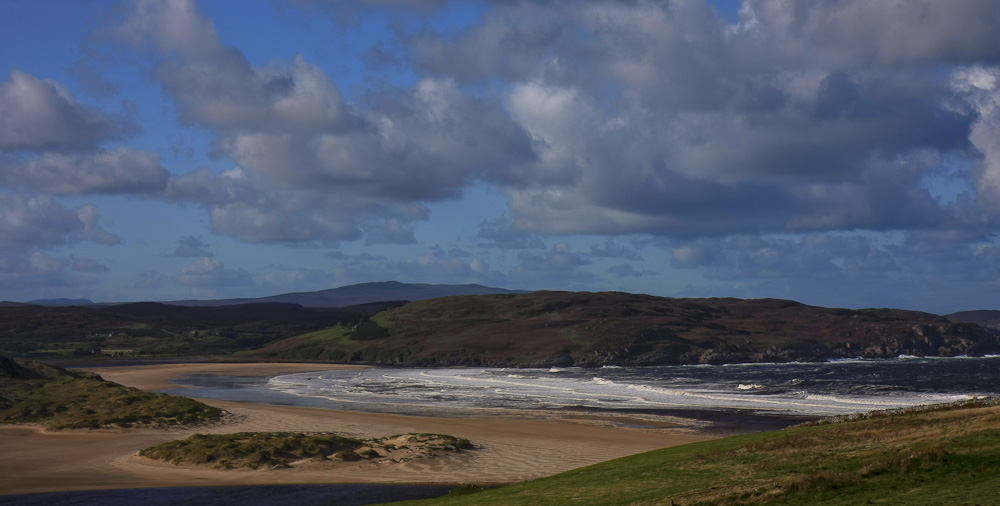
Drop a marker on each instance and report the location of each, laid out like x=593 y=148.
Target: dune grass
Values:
x=920 y=457
x=33 y=392
x=253 y=450
x=275 y=450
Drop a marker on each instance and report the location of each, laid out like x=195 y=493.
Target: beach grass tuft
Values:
x=253 y=450
x=277 y=450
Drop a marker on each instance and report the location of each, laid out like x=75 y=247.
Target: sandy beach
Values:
x=509 y=448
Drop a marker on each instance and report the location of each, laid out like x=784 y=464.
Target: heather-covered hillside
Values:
x=595 y=329
x=148 y=329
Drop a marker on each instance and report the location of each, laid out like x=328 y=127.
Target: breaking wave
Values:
x=788 y=389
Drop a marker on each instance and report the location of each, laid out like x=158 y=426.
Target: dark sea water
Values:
x=795 y=390
x=262 y=495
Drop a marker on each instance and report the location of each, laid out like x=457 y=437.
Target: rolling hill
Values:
x=612 y=328
x=988 y=319
x=146 y=329
x=498 y=329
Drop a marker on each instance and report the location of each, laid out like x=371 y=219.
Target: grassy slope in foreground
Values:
x=33 y=392
x=942 y=455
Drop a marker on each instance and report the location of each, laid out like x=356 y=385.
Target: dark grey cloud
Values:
x=455 y=252
x=849 y=32
x=122 y=171
x=498 y=233
x=558 y=267
x=87 y=265
x=89 y=75
x=661 y=118
x=378 y=58
x=977 y=90
x=389 y=231
x=613 y=249
x=853 y=270
x=51 y=144
x=37 y=114
x=218 y=88
x=270 y=219
x=811 y=256
x=758 y=150
x=215 y=86
x=958 y=257
x=37 y=221
x=628 y=271
x=151 y=280
x=512 y=44
x=451 y=265
x=191 y=246
x=291 y=278
x=290 y=122
x=348 y=13
x=23 y=271
x=241 y=206
x=422 y=144
x=933 y=270
x=311 y=166
x=363 y=257
x=210 y=273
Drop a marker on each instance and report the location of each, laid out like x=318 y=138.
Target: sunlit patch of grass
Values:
x=929 y=455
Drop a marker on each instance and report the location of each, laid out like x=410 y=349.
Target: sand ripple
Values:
x=509 y=449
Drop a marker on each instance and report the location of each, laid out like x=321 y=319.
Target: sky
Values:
x=843 y=153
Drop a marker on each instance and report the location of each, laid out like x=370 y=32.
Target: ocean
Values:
x=787 y=391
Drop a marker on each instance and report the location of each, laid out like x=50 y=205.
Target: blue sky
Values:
x=840 y=153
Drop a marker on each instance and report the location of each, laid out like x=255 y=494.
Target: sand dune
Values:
x=511 y=447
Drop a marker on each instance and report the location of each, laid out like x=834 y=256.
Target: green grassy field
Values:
x=941 y=456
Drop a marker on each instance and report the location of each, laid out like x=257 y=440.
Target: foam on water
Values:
x=798 y=389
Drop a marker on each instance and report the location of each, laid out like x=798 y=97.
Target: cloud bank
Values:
x=844 y=140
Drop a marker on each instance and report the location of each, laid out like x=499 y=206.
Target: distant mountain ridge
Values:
x=363 y=293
